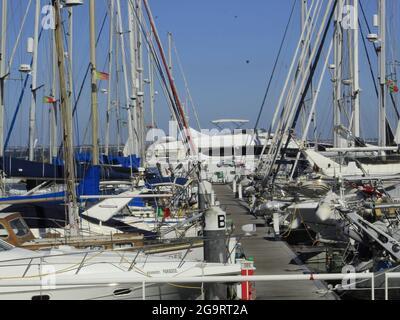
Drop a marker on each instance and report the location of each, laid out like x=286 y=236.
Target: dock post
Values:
x=212 y=198
x=214 y=235
x=240 y=191
x=275 y=218
x=215 y=248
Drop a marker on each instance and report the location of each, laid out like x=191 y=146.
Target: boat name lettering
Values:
x=170 y=271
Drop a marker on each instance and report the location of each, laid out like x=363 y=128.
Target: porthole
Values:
x=122 y=292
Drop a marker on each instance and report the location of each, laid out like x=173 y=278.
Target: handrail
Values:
x=390 y=275
x=201 y=279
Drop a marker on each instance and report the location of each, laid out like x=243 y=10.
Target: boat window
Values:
x=19 y=227
x=4 y=246
x=122 y=292
x=3 y=232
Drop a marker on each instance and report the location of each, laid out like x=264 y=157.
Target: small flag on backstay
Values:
x=393 y=88
x=101 y=75
x=49 y=99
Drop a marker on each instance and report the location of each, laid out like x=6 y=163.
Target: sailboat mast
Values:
x=2 y=71
x=170 y=52
x=151 y=81
x=303 y=15
x=134 y=68
x=32 y=112
x=382 y=73
x=110 y=70
x=53 y=112
x=133 y=137
x=95 y=115
x=338 y=57
x=140 y=106
x=356 y=72
x=66 y=115
x=70 y=54
x=117 y=96
x=186 y=132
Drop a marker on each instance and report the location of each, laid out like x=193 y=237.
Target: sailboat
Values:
x=80 y=275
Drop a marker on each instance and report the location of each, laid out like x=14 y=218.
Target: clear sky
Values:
x=227 y=48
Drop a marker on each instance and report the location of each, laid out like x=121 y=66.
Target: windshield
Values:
x=19 y=227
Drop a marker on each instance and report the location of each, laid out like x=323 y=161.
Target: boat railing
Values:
x=263 y=278
x=243 y=280
x=86 y=257
x=388 y=276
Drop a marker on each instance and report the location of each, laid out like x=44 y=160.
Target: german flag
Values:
x=101 y=75
x=49 y=100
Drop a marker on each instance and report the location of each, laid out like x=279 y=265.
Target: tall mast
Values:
x=134 y=68
x=53 y=112
x=117 y=96
x=180 y=113
x=151 y=81
x=382 y=73
x=171 y=70
x=131 y=117
x=338 y=57
x=95 y=114
x=110 y=64
x=2 y=70
x=356 y=72
x=66 y=115
x=32 y=112
x=303 y=15
x=140 y=92
x=170 y=52
x=70 y=54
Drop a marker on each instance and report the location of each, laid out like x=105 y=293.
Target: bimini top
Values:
x=238 y=122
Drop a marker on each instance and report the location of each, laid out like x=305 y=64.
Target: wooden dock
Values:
x=270 y=257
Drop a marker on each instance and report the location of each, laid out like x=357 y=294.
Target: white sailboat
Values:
x=70 y=274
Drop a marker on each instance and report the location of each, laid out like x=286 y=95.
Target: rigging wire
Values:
x=275 y=66
x=368 y=58
x=187 y=139
x=86 y=75
x=187 y=86
x=161 y=75
x=88 y=67
x=19 y=102
x=307 y=86
x=376 y=51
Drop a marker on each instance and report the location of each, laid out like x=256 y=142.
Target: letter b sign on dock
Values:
x=215 y=219
x=221 y=221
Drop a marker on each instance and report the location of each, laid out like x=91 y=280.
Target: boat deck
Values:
x=270 y=257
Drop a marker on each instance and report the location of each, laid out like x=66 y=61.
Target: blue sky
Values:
x=227 y=48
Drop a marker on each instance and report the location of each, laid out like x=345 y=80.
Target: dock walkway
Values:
x=270 y=257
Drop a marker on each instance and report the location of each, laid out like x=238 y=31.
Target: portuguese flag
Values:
x=393 y=88
x=49 y=99
x=101 y=75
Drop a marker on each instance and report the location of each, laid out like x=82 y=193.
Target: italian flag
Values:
x=101 y=75
x=49 y=99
